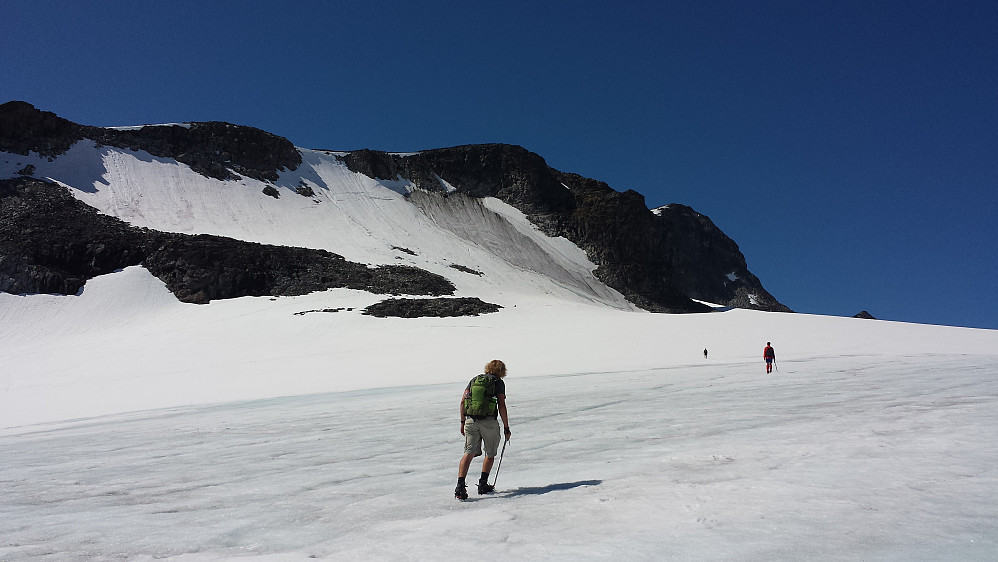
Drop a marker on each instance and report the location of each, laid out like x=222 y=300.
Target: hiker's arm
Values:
x=501 y=398
x=461 y=409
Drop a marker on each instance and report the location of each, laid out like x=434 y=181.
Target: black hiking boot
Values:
x=485 y=488
x=461 y=492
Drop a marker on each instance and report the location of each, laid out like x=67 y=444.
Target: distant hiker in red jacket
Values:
x=770 y=356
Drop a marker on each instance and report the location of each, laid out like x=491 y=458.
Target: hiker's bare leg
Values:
x=462 y=468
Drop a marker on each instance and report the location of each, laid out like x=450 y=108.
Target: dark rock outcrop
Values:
x=440 y=308
x=203 y=268
x=465 y=269
x=865 y=315
x=708 y=265
x=25 y=129
x=53 y=243
x=338 y=309
x=213 y=149
x=658 y=260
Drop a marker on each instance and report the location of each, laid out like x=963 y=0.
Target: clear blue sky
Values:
x=849 y=148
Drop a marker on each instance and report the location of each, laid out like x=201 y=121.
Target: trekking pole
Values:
x=775 y=365
x=500 y=462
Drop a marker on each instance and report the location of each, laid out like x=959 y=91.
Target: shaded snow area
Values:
x=834 y=458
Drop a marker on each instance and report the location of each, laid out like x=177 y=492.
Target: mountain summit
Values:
x=217 y=211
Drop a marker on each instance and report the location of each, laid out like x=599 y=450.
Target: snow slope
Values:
x=136 y=427
x=362 y=219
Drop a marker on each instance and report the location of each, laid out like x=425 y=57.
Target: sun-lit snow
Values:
x=133 y=426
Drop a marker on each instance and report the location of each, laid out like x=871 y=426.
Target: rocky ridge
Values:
x=659 y=260
x=214 y=149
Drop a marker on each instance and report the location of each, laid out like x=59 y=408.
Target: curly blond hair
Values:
x=496 y=368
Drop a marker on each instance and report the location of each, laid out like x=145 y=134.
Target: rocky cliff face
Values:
x=659 y=260
x=708 y=265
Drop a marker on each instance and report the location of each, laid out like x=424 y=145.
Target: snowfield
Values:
x=835 y=458
x=137 y=427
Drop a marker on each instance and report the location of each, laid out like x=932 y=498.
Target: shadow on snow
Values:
x=538 y=490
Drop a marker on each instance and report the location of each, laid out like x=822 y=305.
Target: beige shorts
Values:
x=477 y=432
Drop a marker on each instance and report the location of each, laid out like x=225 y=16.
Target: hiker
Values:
x=483 y=402
x=770 y=356
x=705 y=353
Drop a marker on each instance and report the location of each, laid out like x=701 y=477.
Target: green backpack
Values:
x=481 y=401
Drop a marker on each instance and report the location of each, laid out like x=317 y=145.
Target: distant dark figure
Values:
x=770 y=356
x=705 y=353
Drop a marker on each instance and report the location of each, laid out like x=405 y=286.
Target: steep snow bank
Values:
x=125 y=344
